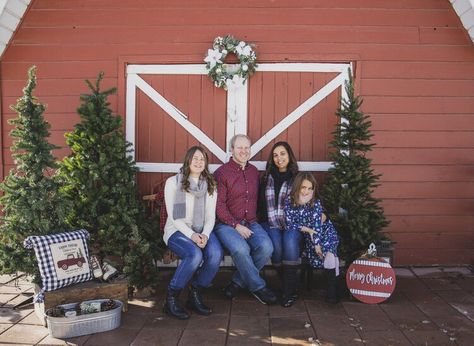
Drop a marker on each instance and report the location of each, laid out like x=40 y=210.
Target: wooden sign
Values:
x=370 y=280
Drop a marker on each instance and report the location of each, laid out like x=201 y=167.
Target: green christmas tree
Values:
x=146 y=248
x=348 y=191
x=100 y=180
x=31 y=202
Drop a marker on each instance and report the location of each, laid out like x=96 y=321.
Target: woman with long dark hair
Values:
x=190 y=198
x=275 y=186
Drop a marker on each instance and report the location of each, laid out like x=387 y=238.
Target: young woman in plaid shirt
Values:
x=275 y=186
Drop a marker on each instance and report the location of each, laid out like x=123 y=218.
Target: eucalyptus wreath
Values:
x=221 y=73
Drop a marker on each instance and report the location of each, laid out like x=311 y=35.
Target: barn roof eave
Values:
x=11 y=13
x=465 y=11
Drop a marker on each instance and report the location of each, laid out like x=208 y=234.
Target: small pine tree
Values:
x=347 y=192
x=31 y=202
x=146 y=247
x=100 y=180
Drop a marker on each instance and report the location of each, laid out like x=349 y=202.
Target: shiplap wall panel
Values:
x=418 y=70
x=417 y=87
x=284 y=51
x=423 y=122
x=424 y=139
x=427 y=189
x=176 y=14
x=414 y=68
x=55 y=103
x=430 y=223
x=428 y=156
x=419 y=171
x=439 y=35
x=427 y=206
x=129 y=4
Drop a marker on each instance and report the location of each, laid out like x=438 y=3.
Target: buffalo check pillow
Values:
x=62 y=259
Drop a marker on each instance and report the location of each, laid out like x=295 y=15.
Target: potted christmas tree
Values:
x=99 y=178
x=32 y=204
x=348 y=191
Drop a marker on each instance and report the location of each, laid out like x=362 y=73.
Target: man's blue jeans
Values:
x=191 y=257
x=286 y=245
x=249 y=255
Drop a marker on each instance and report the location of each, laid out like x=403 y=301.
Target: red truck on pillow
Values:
x=70 y=261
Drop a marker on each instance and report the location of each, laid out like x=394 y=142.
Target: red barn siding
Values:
x=414 y=67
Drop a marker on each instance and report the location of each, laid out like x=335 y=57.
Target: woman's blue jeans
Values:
x=249 y=255
x=191 y=256
x=286 y=245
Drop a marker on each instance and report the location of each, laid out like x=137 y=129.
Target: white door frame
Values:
x=236 y=109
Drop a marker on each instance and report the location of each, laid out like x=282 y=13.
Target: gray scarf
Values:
x=199 y=191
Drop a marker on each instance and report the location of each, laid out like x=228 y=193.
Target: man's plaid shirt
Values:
x=237 y=191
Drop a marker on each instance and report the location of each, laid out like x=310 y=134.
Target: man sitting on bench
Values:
x=246 y=241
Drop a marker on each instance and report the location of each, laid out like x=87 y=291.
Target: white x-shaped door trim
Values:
x=236 y=103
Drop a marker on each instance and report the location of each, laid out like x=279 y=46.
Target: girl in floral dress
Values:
x=304 y=213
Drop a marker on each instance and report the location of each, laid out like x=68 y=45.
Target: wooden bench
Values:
x=155 y=202
x=89 y=290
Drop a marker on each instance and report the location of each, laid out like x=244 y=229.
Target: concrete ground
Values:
x=430 y=306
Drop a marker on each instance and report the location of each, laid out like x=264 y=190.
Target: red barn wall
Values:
x=414 y=68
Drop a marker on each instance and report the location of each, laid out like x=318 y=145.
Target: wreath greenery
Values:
x=222 y=75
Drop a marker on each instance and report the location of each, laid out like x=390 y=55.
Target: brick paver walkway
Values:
x=430 y=306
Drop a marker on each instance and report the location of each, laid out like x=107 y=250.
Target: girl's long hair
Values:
x=292 y=163
x=297 y=182
x=205 y=174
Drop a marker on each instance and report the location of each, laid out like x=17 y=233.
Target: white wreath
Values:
x=220 y=72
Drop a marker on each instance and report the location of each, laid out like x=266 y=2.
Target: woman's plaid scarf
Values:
x=276 y=217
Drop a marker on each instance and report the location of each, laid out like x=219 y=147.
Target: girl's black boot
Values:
x=331 y=293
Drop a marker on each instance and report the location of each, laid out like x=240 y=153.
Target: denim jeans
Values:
x=249 y=255
x=286 y=245
x=191 y=257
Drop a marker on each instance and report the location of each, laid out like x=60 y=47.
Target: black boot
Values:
x=195 y=302
x=173 y=307
x=279 y=272
x=331 y=293
x=290 y=282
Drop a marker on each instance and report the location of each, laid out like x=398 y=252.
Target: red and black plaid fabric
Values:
x=237 y=191
x=159 y=203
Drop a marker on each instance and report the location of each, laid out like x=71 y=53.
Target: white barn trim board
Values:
x=236 y=103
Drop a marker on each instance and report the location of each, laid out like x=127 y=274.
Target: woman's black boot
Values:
x=173 y=307
x=331 y=293
x=195 y=302
x=290 y=280
x=279 y=271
